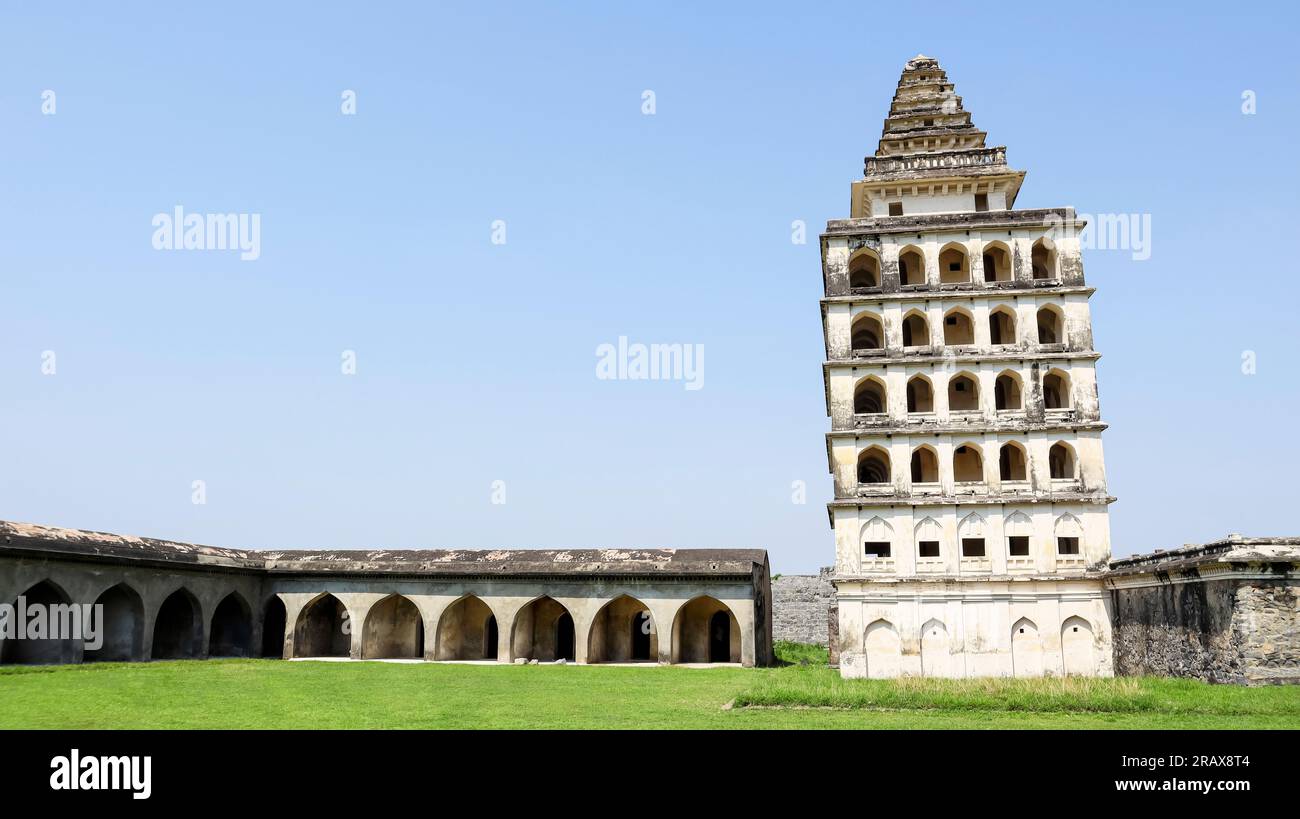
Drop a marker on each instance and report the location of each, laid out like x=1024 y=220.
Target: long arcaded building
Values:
x=970 y=506
x=166 y=600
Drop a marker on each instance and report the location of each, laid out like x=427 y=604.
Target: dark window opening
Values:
x=1018 y=545
x=972 y=547
x=895 y=208
x=1067 y=545
x=981 y=202
x=876 y=548
x=929 y=548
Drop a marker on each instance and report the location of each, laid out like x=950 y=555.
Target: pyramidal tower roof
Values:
x=929 y=139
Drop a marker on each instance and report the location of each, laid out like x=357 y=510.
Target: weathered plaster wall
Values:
x=905 y=526
x=980 y=628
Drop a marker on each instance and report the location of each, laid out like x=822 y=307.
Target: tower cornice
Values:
x=936 y=222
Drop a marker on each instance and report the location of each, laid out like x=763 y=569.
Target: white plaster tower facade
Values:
x=970 y=509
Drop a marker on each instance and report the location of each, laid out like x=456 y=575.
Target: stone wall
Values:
x=801 y=606
x=1182 y=630
x=1220 y=631
x=1270 y=613
x=1227 y=612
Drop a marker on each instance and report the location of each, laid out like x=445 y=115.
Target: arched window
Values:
x=954 y=264
x=958 y=327
x=1002 y=326
x=1006 y=391
x=911 y=265
x=967 y=464
x=970 y=534
x=997 y=262
x=877 y=538
x=868 y=333
x=864 y=269
x=1043 y=259
x=1049 y=326
x=920 y=395
x=1018 y=529
x=873 y=466
x=929 y=538
x=869 y=397
x=916 y=330
x=925 y=465
x=1011 y=462
x=1069 y=535
x=963 y=393
x=1056 y=390
x=1060 y=461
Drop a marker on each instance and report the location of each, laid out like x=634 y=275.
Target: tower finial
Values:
x=920 y=61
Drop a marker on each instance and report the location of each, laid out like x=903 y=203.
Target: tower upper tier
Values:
x=931 y=158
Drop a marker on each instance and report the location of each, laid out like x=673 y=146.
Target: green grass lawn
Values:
x=277 y=694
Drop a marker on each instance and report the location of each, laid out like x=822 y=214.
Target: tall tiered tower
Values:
x=970 y=495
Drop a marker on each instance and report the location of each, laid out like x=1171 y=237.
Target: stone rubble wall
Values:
x=1220 y=631
x=800 y=607
x=1268 y=614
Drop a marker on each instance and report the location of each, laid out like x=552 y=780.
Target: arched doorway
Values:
x=53 y=636
x=622 y=632
x=564 y=638
x=394 y=630
x=178 y=628
x=699 y=635
x=884 y=651
x=274 y=619
x=232 y=628
x=643 y=638
x=467 y=630
x=720 y=637
x=1077 y=650
x=936 y=658
x=123 y=626
x=1026 y=649
x=324 y=629
x=491 y=639
x=542 y=631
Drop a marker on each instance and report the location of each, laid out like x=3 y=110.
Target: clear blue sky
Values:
x=476 y=362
